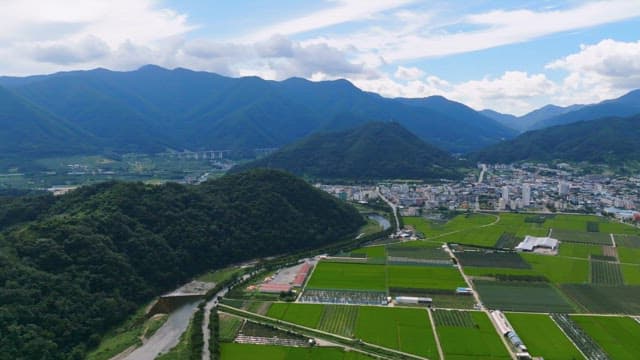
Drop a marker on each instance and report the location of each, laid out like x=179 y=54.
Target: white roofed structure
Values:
x=530 y=243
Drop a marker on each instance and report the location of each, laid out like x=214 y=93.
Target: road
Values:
x=393 y=206
x=167 y=336
x=481 y=177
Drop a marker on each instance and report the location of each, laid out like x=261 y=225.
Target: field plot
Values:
x=229 y=327
x=522 y=296
x=418 y=255
x=339 y=319
x=431 y=228
x=558 y=269
x=617 y=336
x=632 y=241
x=302 y=314
x=492 y=259
x=370 y=252
x=590 y=349
x=579 y=250
x=605 y=273
x=629 y=255
x=414 y=277
x=543 y=337
x=332 y=275
x=631 y=274
x=407 y=330
x=233 y=351
x=464 y=342
x=354 y=297
x=600 y=299
x=582 y=237
x=453 y=318
x=573 y=222
x=507 y=240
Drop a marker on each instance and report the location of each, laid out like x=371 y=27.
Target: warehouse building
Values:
x=413 y=300
x=532 y=243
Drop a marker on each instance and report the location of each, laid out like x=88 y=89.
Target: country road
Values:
x=394 y=208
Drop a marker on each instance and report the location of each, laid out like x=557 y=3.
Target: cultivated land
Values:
x=586 y=276
x=543 y=337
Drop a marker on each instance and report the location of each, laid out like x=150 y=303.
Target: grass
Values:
x=627 y=240
x=631 y=274
x=618 y=336
x=559 y=270
x=329 y=275
x=302 y=314
x=461 y=222
x=543 y=337
x=183 y=349
x=221 y=275
x=629 y=255
x=585 y=237
x=233 y=351
x=480 y=341
x=579 y=250
x=403 y=329
x=414 y=277
x=370 y=252
x=127 y=335
x=492 y=259
x=229 y=326
x=522 y=296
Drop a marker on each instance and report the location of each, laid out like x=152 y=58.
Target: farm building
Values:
x=413 y=300
x=464 y=291
x=507 y=331
x=531 y=243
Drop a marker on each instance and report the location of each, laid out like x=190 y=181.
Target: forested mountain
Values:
x=376 y=150
x=151 y=109
x=624 y=106
x=74 y=266
x=608 y=140
x=527 y=121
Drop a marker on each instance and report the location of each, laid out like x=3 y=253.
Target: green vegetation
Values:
x=629 y=255
x=232 y=351
x=185 y=349
x=492 y=259
x=599 y=299
x=618 y=336
x=632 y=241
x=229 y=326
x=425 y=277
x=522 y=296
x=631 y=274
x=109 y=248
x=558 y=269
x=606 y=273
x=543 y=337
x=453 y=318
x=339 y=319
x=303 y=314
x=332 y=275
x=480 y=341
x=407 y=330
x=375 y=150
x=596 y=238
x=221 y=275
x=579 y=250
x=431 y=228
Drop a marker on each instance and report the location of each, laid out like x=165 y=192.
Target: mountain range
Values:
x=373 y=151
x=153 y=109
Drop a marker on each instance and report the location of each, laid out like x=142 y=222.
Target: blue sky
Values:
x=511 y=56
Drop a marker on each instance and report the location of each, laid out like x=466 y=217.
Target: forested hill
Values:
x=376 y=150
x=73 y=267
x=609 y=140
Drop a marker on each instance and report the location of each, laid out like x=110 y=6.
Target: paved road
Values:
x=393 y=207
x=167 y=336
x=481 y=177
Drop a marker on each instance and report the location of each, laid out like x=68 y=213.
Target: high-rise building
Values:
x=563 y=187
x=505 y=194
x=526 y=195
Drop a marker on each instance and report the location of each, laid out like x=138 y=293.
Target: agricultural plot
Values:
x=302 y=314
x=352 y=297
x=418 y=255
x=339 y=319
x=631 y=274
x=598 y=299
x=590 y=349
x=617 y=336
x=573 y=222
x=479 y=341
x=522 y=296
x=579 y=250
x=414 y=277
x=632 y=241
x=229 y=327
x=593 y=226
x=559 y=270
x=543 y=337
x=233 y=351
x=605 y=273
x=370 y=252
x=629 y=255
x=403 y=329
x=583 y=237
x=453 y=318
x=492 y=259
x=507 y=240
x=348 y=276
x=432 y=228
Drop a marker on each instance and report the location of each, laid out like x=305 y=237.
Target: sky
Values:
x=510 y=56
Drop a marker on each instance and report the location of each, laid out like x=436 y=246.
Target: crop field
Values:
x=522 y=296
x=579 y=250
x=605 y=273
x=370 y=252
x=599 y=299
x=229 y=326
x=353 y=297
x=629 y=255
x=233 y=351
x=631 y=274
x=543 y=337
x=302 y=314
x=403 y=329
x=617 y=336
x=413 y=277
x=480 y=341
x=492 y=259
x=461 y=222
x=584 y=342
x=507 y=240
x=632 y=241
x=331 y=275
x=572 y=222
x=418 y=252
x=582 y=237
x=560 y=270
x=339 y=319
x=453 y=318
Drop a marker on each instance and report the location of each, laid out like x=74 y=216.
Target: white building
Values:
x=505 y=194
x=531 y=243
x=563 y=187
x=526 y=195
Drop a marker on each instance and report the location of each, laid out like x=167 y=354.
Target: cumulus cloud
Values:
x=90 y=48
x=408 y=73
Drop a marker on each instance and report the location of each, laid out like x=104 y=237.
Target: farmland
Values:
x=582 y=237
x=618 y=336
x=233 y=351
x=605 y=299
x=605 y=273
x=591 y=349
x=330 y=275
x=522 y=296
x=412 y=277
x=339 y=319
x=492 y=259
x=478 y=341
x=543 y=337
x=579 y=250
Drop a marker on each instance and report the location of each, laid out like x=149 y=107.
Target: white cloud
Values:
x=408 y=73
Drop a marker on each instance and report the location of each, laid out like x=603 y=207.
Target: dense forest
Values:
x=611 y=141
x=74 y=266
x=376 y=150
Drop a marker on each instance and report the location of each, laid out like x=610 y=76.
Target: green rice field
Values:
x=543 y=337
x=233 y=351
x=333 y=275
x=522 y=296
x=480 y=341
x=618 y=336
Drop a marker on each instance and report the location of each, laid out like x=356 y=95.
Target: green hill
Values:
x=376 y=150
x=73 y=267
x=609 y=140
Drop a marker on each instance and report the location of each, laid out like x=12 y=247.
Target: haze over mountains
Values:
x=373 y=151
